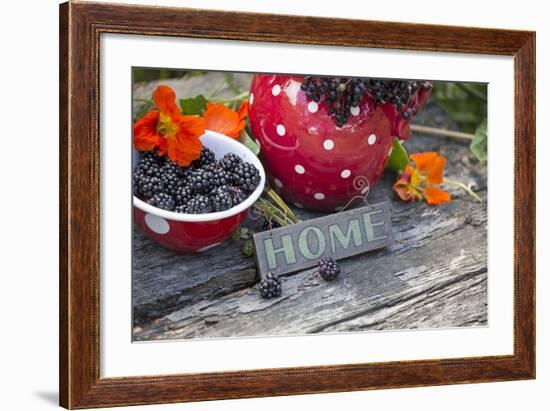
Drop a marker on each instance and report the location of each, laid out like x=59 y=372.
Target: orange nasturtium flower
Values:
x=168 y=131
x=220 y=118
x=422 y=180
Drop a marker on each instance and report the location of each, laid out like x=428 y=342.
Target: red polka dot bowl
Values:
x=310 y=161
x=195 y=233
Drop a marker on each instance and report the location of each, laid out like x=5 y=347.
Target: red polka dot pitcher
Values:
x=312 y=161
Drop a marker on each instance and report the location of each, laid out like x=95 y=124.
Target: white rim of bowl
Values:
x=236 y=147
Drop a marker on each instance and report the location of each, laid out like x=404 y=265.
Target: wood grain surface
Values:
x=80 y=27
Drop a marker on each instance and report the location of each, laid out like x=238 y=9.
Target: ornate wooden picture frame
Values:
x=81 y=25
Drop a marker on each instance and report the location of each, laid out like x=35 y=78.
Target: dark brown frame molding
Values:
x=80 y=27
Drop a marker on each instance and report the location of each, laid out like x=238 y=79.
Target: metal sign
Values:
x=340 y=235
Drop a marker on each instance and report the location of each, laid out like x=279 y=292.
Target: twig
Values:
x=468 y=189
x=442 y=132
x=287 y=211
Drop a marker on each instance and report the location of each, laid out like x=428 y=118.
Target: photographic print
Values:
x=293 y=204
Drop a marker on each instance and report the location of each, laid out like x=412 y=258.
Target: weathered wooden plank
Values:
x=424 y=276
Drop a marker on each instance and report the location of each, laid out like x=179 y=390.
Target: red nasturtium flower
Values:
x=220 y=118
x=168 y=131
x=422 y=180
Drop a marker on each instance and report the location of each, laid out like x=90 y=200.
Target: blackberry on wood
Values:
x=199 y=204
x=329 y=269
x=246 y=176
x=270 y=286
x=220 y=199
x=162 y=200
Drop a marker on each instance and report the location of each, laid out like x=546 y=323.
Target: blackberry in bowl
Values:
x=192 y=209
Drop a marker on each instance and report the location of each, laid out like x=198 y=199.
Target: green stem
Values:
x=269 y=211
x=279 y=201
x=463 y=186
x=238 y=97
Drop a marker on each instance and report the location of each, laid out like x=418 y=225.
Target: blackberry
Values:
x=198 y=204
x=171 y=167
x=341 y=94
x=221 y=199
x=270 y=286
x=329 y=269
x=237 y=194
x=162 y=200
x=246 y=176
x=182 y=195
x=201 y=181
x=149 y=164
x=146 y=187
x=185 y=174
x=230 y=161
x=181 y=209
x=207 y=157
x=170 y=182
x=147 y=168
x=221 y=177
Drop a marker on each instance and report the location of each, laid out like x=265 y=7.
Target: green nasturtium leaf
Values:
x=479 y=143
x=249 y=142
x=194 y=105
x=398 y=157
x=147 y=106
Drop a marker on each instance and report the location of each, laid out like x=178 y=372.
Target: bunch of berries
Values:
x=206 y=186
x=342 y=95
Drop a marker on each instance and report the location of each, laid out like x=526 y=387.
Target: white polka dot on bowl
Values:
x=345 y=173
x=372 y=139
x=157 y=224
x=354 y=111
x=328 y=144
x=312 y=107
x=319 y=196
x=299 y=169
x=276 y=90
x=281 y=130
x=251 y=99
